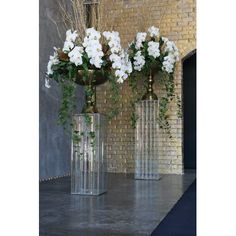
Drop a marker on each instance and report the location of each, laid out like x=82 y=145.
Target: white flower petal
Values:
x=153 y=31
x=47 y=84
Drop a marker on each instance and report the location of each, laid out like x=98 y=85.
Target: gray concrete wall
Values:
x=54 y=144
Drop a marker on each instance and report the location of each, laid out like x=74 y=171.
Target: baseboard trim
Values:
x=54 y=177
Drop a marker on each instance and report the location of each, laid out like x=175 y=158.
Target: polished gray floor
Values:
x=130 y=207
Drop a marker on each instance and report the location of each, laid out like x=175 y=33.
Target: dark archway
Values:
x=189 y=110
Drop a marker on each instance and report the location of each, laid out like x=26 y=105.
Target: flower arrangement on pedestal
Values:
x=150 y=53
x=98 y=57
x=93 y=61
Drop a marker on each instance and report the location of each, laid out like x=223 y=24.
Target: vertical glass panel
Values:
x=146 y=138
x=88 y=157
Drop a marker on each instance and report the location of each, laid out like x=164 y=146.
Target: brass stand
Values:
x=150 y=95
x=90 y=80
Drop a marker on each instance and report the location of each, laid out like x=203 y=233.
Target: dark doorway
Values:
x=189 y=110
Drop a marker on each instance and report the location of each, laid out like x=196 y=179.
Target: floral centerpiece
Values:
x=89 y=62
x=150 y=53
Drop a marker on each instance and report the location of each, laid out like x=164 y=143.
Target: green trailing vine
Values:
x=138 y=92
x=179 y=105
x=76 y=137
x=68 y=104
x=65 y=74
x=115 y=98
x=163 y=117
x=151 y=53
x=168 y=82
x=139 y=88
x=91 y=134
x=88 y=119
x=89 y=61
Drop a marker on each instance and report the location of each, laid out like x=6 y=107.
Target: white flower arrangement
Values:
x=147 y=48
x=91 y=54
x=153 y=31
x=70 y=40
x=53 y=60
x=93 y=47
x=153 y=49
x=139 y=61
x=151 y=53
x=172 y=55
x=75 y=55
x=140 y=38
x=118 y=57
x=150 y=48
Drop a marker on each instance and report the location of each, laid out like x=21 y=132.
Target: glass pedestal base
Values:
x=88 y=156
x=146 y=143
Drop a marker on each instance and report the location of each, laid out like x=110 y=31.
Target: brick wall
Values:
x=177 y=21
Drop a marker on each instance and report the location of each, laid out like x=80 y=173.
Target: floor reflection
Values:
x=130 y=207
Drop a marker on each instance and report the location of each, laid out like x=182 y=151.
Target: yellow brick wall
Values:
x=177 y=21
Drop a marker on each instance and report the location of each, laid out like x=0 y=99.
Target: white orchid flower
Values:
x=76 y=55
x=153 y=31
x=71 y=36
x=153 y=49
x=47 y=84
x=139 y=61
x=68 y=45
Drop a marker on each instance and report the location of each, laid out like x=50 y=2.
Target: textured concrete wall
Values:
x=177 y=21
x=54 y=147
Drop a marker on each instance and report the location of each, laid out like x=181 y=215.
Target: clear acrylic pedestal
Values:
x=146 y=140
x=88 y=156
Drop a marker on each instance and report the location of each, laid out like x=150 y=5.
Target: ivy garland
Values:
x=115 y=98
x=65 y=74
x=168 y=82
x=139 y=88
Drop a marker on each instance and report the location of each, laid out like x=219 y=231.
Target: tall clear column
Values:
x=146 y=140
x=88 y=155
